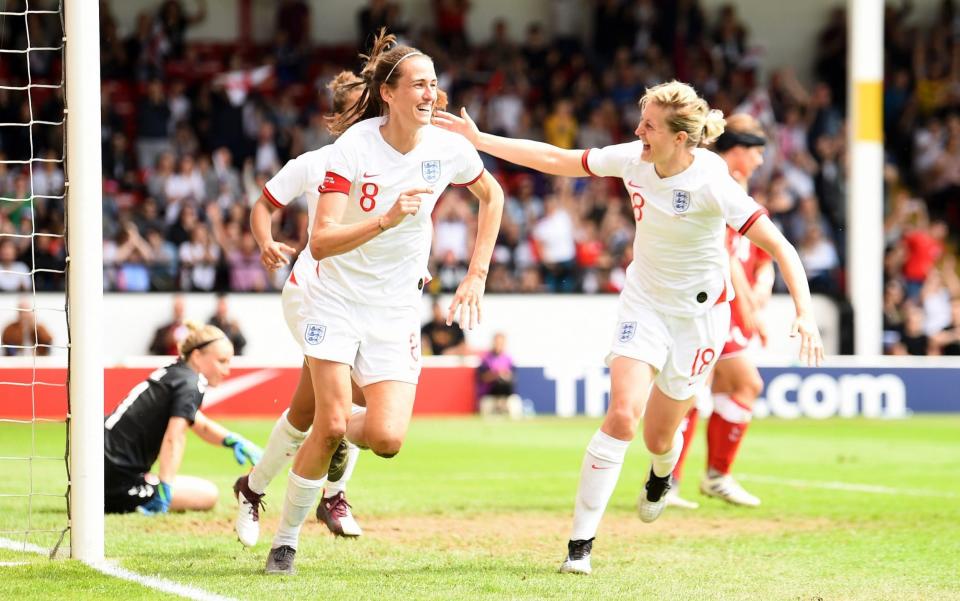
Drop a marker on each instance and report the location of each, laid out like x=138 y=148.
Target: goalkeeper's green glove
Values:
x=243 y=449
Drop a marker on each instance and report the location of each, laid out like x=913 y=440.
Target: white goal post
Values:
x=84 y=278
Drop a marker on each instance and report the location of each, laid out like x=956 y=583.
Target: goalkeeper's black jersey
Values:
x=133 y=433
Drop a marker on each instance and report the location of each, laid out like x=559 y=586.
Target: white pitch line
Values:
x=19 y=545
x=159 y=584
x=846 y=486
x=827 y=485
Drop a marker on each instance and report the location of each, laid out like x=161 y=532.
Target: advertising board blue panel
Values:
x=789 y=392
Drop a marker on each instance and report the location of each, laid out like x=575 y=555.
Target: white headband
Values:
x=398 y=62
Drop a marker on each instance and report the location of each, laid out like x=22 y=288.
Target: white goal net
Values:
x=35 y=410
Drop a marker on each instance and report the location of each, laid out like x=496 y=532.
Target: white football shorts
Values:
x=682 y=350
x=379 y=343
x=294 y=292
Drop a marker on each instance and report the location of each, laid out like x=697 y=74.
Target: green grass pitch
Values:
x=475 y=509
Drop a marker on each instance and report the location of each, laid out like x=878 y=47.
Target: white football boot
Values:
x=726 y=488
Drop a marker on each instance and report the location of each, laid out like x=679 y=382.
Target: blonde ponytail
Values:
x=686 y=112
x=713 y=127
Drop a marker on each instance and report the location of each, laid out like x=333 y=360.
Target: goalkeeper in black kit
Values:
x=150 y=425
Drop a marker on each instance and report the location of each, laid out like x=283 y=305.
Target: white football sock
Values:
x=663 y=464
x=332 y=488
x=281 y=447
x=598 y=477
x=301 y=495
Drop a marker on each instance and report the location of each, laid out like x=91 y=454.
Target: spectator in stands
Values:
x=48 y=176
x=819 y=259
x=924 y=247
x=49 y=261
x=913 y=341
x=173 y=21
x=560 y=126
x=163 y=262
x=198 y=260
x=450 y=21
x=948 y=340
x=14 y=274
x=168 y=337
x=452 y=227
x=186 y=184
x=153 y=124
x=438 y=338
x=246 y=271
x=26 y=332
x=230 y=326
x=495 y=381
x=942 y=285
x=894 y=296
x=131 y=256
x=555 y=245
x=377 y=14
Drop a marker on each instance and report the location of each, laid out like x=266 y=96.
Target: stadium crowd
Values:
x=191 y=131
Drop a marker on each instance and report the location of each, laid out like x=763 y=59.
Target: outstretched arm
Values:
x=535 y=155
x=470 y=290
x=215 y=434
x=765 y=235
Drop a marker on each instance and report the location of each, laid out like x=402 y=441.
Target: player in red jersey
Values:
x=736 y=381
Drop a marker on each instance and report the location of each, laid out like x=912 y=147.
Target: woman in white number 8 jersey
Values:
x=301 y=176
x=673 y=313
x=371 y=238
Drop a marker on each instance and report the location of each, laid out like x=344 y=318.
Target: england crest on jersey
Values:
x=626 y=331
x=681 y=201
x=430 y=171
x=315 y=333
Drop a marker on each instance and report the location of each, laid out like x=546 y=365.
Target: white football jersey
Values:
x=389 y=269
x=300 y=176
x=680 y=265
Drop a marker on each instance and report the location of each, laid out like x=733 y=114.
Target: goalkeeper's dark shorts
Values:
x=124 y=490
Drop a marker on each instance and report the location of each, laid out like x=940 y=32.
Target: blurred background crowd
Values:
x=191 y=131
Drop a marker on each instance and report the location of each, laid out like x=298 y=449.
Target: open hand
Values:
x=811 y=346
x=465 y=306
x=462 y=125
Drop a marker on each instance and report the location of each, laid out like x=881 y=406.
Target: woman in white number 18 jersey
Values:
x=673 y=313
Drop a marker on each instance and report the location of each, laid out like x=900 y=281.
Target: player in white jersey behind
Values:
x=371 y=236
x=673 y=312
x=300 y=176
